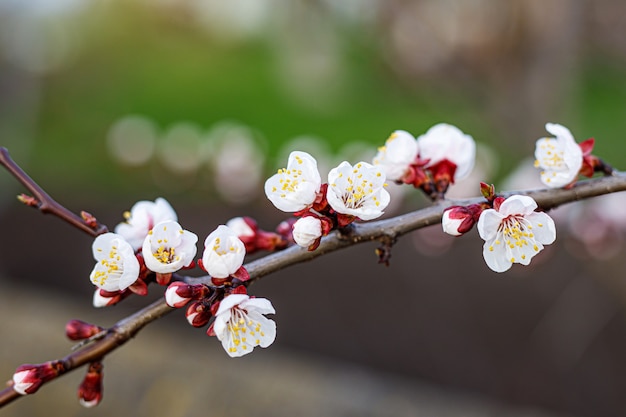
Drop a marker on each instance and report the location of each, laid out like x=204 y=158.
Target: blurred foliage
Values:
x=139 y=60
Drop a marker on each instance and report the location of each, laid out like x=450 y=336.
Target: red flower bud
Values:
x=198 y=314
x=458 y=220
x=178 y=294
x=79 y=330
x=28 y=378
x=90 y=390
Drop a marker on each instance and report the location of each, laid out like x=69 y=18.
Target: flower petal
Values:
x=488 y=224
x=543 y=227
x=517 y=204
x=495 y=257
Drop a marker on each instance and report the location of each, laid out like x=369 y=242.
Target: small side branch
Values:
x=46 y=204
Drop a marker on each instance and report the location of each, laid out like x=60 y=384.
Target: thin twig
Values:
x=47 y=204
x=392 y=227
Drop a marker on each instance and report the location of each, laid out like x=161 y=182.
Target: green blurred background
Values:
x=341 y=72
x=106 y=102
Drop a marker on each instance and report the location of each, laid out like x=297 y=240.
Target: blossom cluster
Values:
x=433 y=161
x=512 y=228
x=150 y=243
x=352 y=192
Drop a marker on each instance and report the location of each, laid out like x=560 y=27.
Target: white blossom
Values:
x=307 y=230
x=168 y=248
x=223 y=252
x=294 y=188
x=444 y=141
x=116 y=267
x=240 y=324
x=399 y=152
x=141 y=219
x=357 y=191
x=514 y=233
x=560 y=158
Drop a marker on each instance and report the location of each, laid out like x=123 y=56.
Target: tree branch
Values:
x=385 y=229
x=45 y=203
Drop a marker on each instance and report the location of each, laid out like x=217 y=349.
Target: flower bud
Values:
x=307 y=230
x=198 y=314
x=178 y=294
x=79 y=330
x=28 y=378
x=103 y=298
x=285 y=228
x=457 y=220
x=90 y=390
x=172 y=296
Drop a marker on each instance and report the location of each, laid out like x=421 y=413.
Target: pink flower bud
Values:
x=172 y=296
x=198 y=315
x=285 y=227
x=79 y=330
x=178 y=294
x=269 y=241
x=458 y=220
x=90 y=390
x=28 y=378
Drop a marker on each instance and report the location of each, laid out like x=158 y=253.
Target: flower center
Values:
x=165 y=255
x=516 y=231
x=358 y=190
x=111 y=265
x=552 y=155
x=240 y=327
x=291 y=179
x=221 y=250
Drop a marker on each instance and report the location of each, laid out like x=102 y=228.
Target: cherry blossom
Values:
x=443 y=144
x=240 y=325
x=294 y=188
x=223 y=252
x=307 y=230
x=117 y=267
x=514 y=232
x=357 y=190
x=141 y=219
x=168 y=247
x=396 y=157
x=560 y=158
